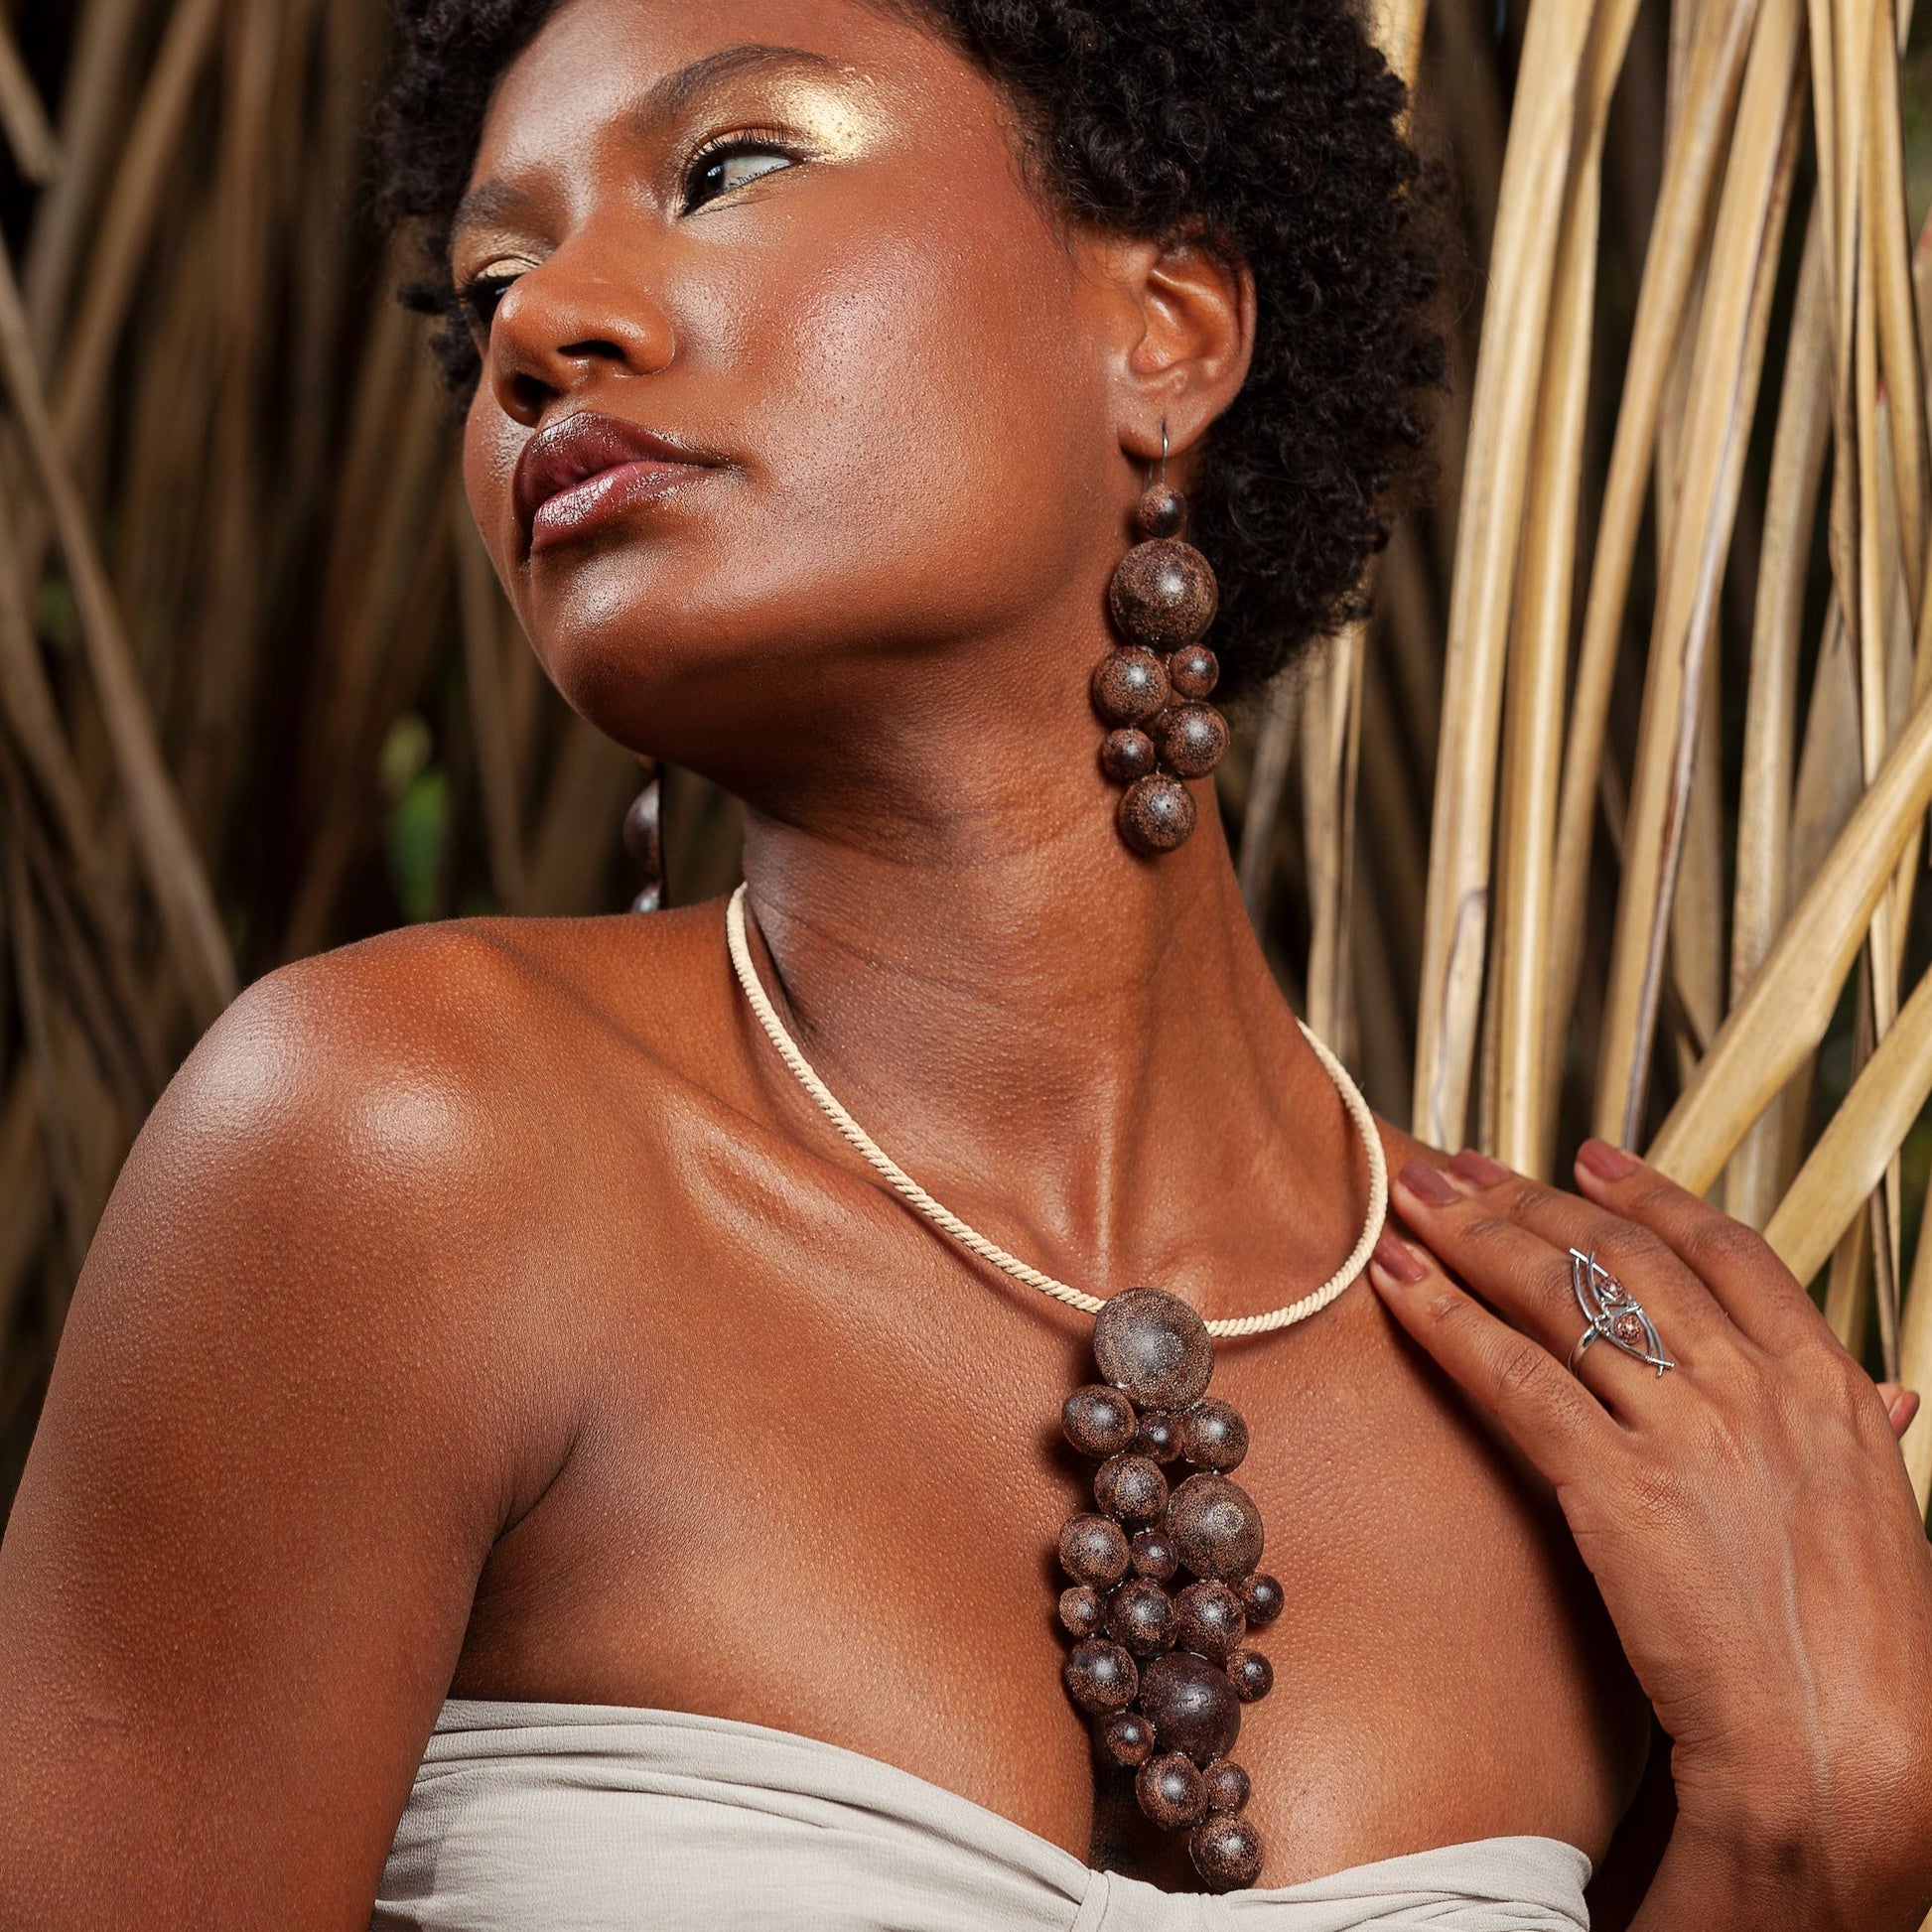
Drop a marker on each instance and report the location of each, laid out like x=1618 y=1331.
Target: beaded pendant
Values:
x=1162 y=1668
x=1153 y=688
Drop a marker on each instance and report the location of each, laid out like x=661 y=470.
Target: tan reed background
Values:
x=1611 y=819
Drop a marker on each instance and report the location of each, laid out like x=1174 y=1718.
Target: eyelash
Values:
x=479 y=297
x=732 y=147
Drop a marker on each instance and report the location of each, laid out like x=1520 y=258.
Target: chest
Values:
x=818 y=1483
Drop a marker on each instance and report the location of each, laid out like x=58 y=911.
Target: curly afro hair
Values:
x=1268 y=128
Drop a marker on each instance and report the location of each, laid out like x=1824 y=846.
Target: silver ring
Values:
x=1613 y=1314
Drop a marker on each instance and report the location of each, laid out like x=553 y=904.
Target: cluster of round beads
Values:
x=1153 y=690
x=1165 y=1669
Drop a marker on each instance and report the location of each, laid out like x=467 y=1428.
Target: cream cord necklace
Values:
x=942 y=1217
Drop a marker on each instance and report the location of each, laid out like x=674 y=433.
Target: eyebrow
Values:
x=494 y=202
x=670 y=96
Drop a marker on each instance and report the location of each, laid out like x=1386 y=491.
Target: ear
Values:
x=1183 y=331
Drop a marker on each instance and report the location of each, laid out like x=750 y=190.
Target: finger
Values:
x=1901 y=1405
x=1639 y=1259
x=1476 y=1230
x=1745 y=1278
x=1564 y=1430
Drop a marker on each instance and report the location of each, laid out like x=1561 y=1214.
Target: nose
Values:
x=567 y=323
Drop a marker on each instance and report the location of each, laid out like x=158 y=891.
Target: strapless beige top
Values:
x=584 y=1818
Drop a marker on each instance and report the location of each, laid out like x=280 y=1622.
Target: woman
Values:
x=512 y=1464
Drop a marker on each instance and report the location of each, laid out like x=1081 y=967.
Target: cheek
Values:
x=934 y=429
x=491 y=443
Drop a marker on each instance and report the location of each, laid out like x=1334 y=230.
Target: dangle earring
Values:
x=644 y=837
x=1153 y=688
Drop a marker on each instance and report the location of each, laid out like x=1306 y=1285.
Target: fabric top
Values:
x=585 y=1818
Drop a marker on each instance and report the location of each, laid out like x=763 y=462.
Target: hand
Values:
x=1746 y=1513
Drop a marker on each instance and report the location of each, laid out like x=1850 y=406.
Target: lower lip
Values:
x=601 y=500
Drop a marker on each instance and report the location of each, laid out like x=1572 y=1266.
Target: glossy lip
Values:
x=582 y=473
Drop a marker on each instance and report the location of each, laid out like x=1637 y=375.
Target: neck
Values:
x=1083 y=1052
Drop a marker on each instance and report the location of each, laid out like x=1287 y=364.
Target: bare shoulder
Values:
x=411 y=1062
x=321 y=1356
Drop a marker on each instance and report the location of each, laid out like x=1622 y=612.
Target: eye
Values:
x=724 y=167
x=478 y=297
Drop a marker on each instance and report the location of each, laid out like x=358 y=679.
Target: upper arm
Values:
x=276 y=1449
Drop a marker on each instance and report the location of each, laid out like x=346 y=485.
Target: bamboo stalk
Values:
x=1528 y=1060
x=1725 y=370
x=1901 y=366
x=1267 y=780
x=1784 y=1014
x=1852 y=1153
x=127 y=223
x=488 y=711
x=1716 y=71
x=1331 y=714
x=1766 y=801
x=1534 y=168
x=96 y=76
x=1397 y=26
x=181 y=887
x=23 y=115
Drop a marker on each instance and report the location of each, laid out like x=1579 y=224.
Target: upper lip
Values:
x=584 y=444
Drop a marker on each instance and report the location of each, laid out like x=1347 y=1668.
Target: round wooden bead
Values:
x=1194 y=671
x=1083 y=1609
x=1093 y=1551
x=1227 y=1785
x=1127 y=754
x=1213 y=1435
x=1251 y=1674
x=1131 y=1489
x=1159 y=1435
x=1155 y=1347
x=1128 y=1738
x=1151 y=1556
x=1155 y=814
x=1215 y=1526
x=1192 y=739
x=1140 y=1615
x=1130 y=687
x=1226 y=1852
x=1260 y=1597
x=1208 y=1619
x=1162 y=512
x=1191 y=1707
x=1164 y=594
x=1097 y=1420
x=1100 y=1676
x=1170 y=1791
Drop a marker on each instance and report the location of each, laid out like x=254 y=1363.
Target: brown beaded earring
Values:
x=1152 y=689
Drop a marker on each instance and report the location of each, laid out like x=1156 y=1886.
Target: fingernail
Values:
x=1605 y=1162
x=1397 y=1258
x=1427 y=1185
x=1478 y=1169
x=1904 y=1406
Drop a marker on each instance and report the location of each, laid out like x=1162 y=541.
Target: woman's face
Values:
x=790 y=383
